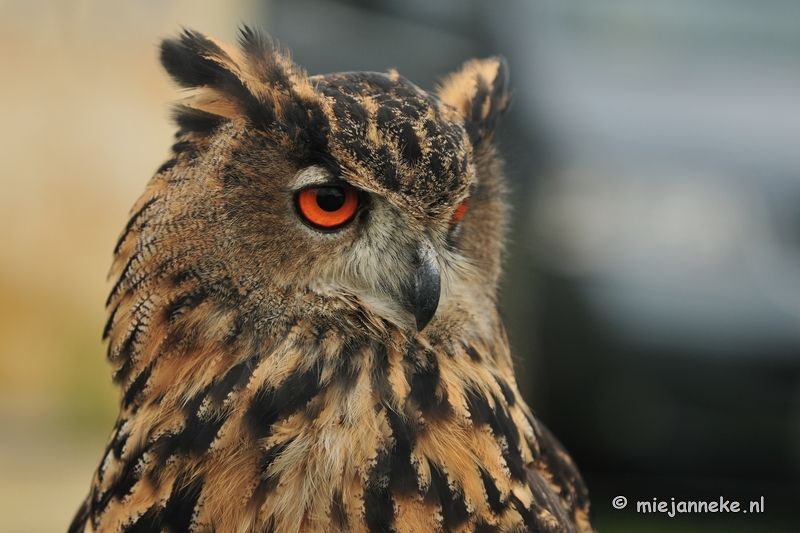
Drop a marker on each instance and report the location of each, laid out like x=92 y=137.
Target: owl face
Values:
x=355 y=187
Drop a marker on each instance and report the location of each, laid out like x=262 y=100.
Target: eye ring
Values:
x=459 y=213
x=327 y=206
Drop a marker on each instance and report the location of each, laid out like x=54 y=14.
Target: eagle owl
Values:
x=304 y=318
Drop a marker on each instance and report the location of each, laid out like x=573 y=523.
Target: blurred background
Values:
x=652 y=293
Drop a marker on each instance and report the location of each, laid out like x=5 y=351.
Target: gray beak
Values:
x=424 y=286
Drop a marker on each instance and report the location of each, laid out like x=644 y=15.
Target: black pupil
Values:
x=330 y=198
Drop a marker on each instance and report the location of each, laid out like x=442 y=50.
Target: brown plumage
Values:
x=288 y=365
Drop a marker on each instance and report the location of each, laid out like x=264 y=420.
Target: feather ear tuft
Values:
x=256 y=81
x=196 y=62
x=193 y=60
x=479 y=92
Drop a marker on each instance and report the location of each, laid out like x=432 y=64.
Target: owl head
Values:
x=307 y=194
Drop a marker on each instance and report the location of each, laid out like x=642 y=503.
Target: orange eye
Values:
x=461 y=210
x=328 y=206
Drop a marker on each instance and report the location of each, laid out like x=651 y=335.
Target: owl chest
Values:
x=359 y=456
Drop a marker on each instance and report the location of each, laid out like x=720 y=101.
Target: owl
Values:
x=304 y=315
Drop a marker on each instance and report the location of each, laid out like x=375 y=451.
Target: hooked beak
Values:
x=424 y=286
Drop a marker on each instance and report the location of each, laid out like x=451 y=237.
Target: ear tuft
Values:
x=193 y=60
x=479 y=92
x=256 y=82
x=196 y=62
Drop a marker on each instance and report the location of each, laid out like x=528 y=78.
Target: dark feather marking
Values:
x=473 y=131
x=179 y=509
x=502 y=425
x=236 y=377
x=272 y=404
x=110 y=322
x=508 y=394
x=313 y=409
x=409 y=143
x=123 y=484
x=264 y=487
x=473 y=354
x=165 y=447
x=513 y=455
x=351 y=114
x=506 y=424
x=119 y=374
x=187 y=147
x=119 y=441
x=81 y=517
x=338 y=512
x=358 y=113
x=565 y=473
x=132 y=335
x=347 y=370
x=193 y=60
x=149 y=522
x=193 y=438
x=198 y=432
x=403 y=90
x=430 y=128
x=137 y=386
x=319 y=333
x=460 y=164
x=384 y=116
x=260 y=50
x=359 y=151
x=126 y=351
x=194 y=120
x=479 y=408
x=379 y=374
x=236 y=331
x=201 y=433
x=378 y=510
x=426 y=392
x=167 y=166
x=389 y=175
x=526 y=514
x=478 y=101
x=410 y=111
x=515 y=463
x=271 y=454
x=481 y=128
x=185 y=276
x=387 y=171
x=435 y=161
x=133 y=220
x=301 y=119
x=186 y=301
x=492 y=493
x=454 y=509
x=122 y=278
x=499 y=97
x=314 y=133
x=378 y=503
x=402 y=474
